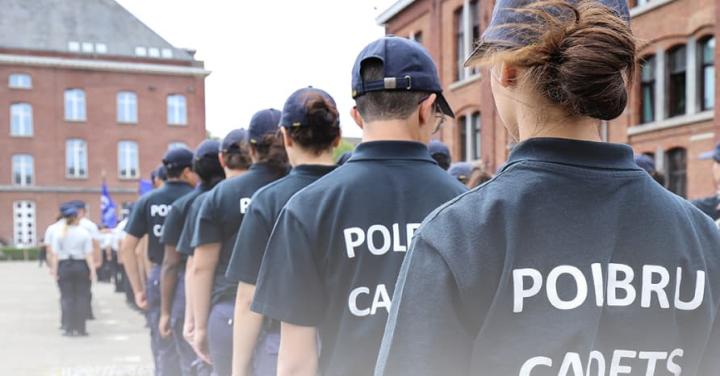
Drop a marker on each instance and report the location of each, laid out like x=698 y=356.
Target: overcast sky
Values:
x=259 y=52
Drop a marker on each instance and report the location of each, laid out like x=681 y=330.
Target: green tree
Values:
x=343 y=148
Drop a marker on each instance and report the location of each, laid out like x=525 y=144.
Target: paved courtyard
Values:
x=30 y=341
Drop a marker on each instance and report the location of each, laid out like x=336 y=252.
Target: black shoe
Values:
x=67 y=333
x=82 y=334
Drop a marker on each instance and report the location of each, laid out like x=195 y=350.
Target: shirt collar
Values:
x=312 y=170
x=382 y=150
x=601 y=155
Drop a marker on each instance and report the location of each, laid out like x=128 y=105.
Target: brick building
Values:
x=87 y=94
x=670 y=112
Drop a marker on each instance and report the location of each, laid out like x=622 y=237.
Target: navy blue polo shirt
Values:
x=176 y=218
x=220 y=217
x=338 y=244
x=259 y=221
x=710 y=206
x=188 y=230
x=148 y=216
x=571 y=261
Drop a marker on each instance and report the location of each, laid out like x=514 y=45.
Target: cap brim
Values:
x=707 y=155
x=444 y=105
x=476 y=54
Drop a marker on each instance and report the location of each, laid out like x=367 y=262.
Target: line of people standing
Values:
x=278 y=262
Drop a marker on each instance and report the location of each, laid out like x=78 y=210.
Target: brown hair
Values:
x=583 y=55
x=237 y=157
x=477 y=177
x=324 y=127
x=271 y=151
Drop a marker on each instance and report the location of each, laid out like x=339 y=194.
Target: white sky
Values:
x=259 y=52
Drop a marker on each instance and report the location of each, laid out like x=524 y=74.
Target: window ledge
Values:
x=20 y=87
x=651 y=5
x=177 y=125
x=458 y=84
x=76 y=120
x=671 y=123
x=127 y=122
x=21 y=136
x=76 y=177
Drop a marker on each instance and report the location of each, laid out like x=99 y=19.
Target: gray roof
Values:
x=51 y=25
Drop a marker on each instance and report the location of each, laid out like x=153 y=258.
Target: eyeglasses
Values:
x=437 y=113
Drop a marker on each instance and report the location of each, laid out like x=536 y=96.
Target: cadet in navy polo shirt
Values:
x=440 y=153
x=206 y=166
x=235 y=159
x=711 y=205
x=572 y=260
x=311 y=130
x=147 y=218
x=333 y=257
x=216 y=228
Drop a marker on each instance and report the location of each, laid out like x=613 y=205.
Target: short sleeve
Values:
x=290 y=287
x=186 y=235
x=55 y=243
x=424 y=333
x=172 y=227
x=137 y=222
x=88 y=245
x=207 y=224
x=250 y=245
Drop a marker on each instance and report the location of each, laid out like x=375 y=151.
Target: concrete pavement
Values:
x=30 y=341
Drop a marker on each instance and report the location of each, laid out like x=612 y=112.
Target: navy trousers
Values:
x=74 y=280
x=167 y=361
x=220 y=337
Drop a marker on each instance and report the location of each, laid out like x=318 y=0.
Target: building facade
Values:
x=670 y=114
x=88 y=94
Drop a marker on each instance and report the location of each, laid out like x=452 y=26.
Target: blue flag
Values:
x=144 y=187
x=107 y=208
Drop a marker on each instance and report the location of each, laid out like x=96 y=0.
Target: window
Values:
x=647 y=90
x=21 y=120
x=101 y=48
x=20 y=81
x=167 y=53
x=676 y=168
x=475 y=132
x=176 y=110
x=76 y=158
x=175 y=145
x=128 y=160
x=140 y=51
x=677 y=66
x=417 y=36
x=74 y=105
x=475 y=17
x=462 y=142
x=707 y=74
x=24 y=223
x=153 y=52
x=22 y=169
x=126 y=107
x=460 y=45
x=74 y=46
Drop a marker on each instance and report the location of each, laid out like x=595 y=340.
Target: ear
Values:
x=222 y=160
x=508 y=75
x=287 y=141
x=425 y=112
x=356 y=116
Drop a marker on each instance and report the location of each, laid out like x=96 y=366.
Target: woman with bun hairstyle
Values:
x=310 y=126
x=572 y=260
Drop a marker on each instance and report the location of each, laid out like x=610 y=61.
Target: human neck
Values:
x=584 y=129
x=233 y=173
x=308 y=158
x=390 y=130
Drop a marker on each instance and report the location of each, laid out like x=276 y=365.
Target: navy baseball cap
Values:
x=295 y=111
x=263 y=123
x=645 y=162
x=712 y=154
x=437 y=147
x=407 y=65
x=461 y=170
x=510 y=12
x=207 y=148
x=233 y=140
x=160 y=172
x=68 y=209
x=177 y=158
x=77 y=204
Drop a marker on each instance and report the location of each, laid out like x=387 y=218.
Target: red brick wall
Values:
x=101 y=131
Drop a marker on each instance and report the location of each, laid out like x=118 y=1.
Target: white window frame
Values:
x=75 y=100
x=79 y=156
x=127 y=107
x=101 y=48
x=176 y=109
x=25 y=164
x=167 y=53
x=21 y=120
x=20 y=81
x=24 y=223
x=128 y=157
x=467 y=73
x=141 y=51
x=74 y=46
x=154 y=52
